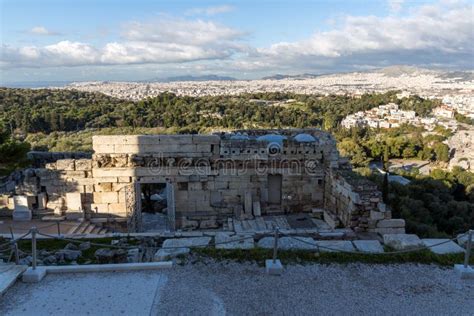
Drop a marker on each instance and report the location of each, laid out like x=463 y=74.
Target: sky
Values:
x=127 y=40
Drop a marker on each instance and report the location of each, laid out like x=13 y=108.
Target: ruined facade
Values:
x=210 y=178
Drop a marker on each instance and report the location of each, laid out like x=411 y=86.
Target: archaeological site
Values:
x=195 y=182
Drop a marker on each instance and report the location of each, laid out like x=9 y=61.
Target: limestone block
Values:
x=248 y=203
x=84 y=164
x=65 y=164
x=105 y=197
x=124 y=179
x=256 y=209
x=113 y=172
x=50 y=166
x=288 y=243
x=335 y=245
x=21 y=210
x=187 y=242
x=115 y=208
x=446 y=247
x=402 y=241
x=225 y=241
x=105 y=179
x=368 y=246
x=42 y=200
x=391 y=223
x=74 y=201
x=377 y=215
x=103 y=187
x=99 y=208
x=102 y=148
x=208 y=223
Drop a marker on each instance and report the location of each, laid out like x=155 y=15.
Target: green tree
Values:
x=12 y=153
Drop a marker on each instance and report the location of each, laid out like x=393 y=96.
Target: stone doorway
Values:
x=157 y=207
x=274 y=189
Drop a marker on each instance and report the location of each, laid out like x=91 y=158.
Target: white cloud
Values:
x=41 y=30
x=442 y=29
x=163 y=41
x=395 y=5
x=209 y=11
x=439 y=34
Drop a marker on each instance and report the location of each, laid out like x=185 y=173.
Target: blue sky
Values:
x=137 y=40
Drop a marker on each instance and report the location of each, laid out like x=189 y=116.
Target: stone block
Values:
x=103 y=187
x=226 y=241
x=464 y=272
x=273 y=267
x=166 y=254
x=21 y=211
x=34 y=275
x=384 y=231
x=74 y=201
x=391 y=223
x=335 y=246
x=65 y=164
x=377 y=215
x=116 y=208
x=84 y=164
x=105 y=197
x=99 y=208
x=186 y=242
x=447 y=247
x=368 y=246
x=402 y=241
x=124 y=179
x=248 y=203
x=288 y=243
x=257 y=211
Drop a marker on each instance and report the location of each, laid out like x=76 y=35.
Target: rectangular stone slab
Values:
x=335 y=245
x=368 y=246
x=187 y=242
x=402 y=241
x=448 y=247
x=288 y=243
x=225 y=241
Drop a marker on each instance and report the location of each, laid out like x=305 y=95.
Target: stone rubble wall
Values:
x=358 y=204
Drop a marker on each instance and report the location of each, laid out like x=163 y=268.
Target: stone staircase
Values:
x=86 y=227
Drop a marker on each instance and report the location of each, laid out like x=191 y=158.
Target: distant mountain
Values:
x=192 y=78
x=296 y=77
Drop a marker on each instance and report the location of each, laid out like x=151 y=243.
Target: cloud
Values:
x=435 y=34
x=395 y=5
x=162 y=41
x=41 y=30
x=444 y=30
x=210 y=11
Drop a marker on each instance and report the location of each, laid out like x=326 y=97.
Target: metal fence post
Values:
x=467 y=254
x=59 y=228
x=33 y=246
x=15 y=247
x=275 y=246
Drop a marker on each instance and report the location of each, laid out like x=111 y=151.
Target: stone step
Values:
x=73 y=229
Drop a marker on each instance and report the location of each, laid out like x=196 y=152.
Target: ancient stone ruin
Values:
x=203 y=180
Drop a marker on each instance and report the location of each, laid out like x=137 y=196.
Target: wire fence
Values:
x=12 y=245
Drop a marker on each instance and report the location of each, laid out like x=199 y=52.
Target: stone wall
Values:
x=355 y=202
x=213 y=177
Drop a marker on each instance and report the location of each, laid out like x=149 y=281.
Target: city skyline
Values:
x=141 y=40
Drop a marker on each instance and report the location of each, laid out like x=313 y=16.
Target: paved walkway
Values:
x=209 y=288
x=8 y=275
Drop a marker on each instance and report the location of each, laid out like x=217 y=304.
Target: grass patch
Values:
x=259 y=255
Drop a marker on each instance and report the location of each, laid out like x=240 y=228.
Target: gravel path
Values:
x=231 y=288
